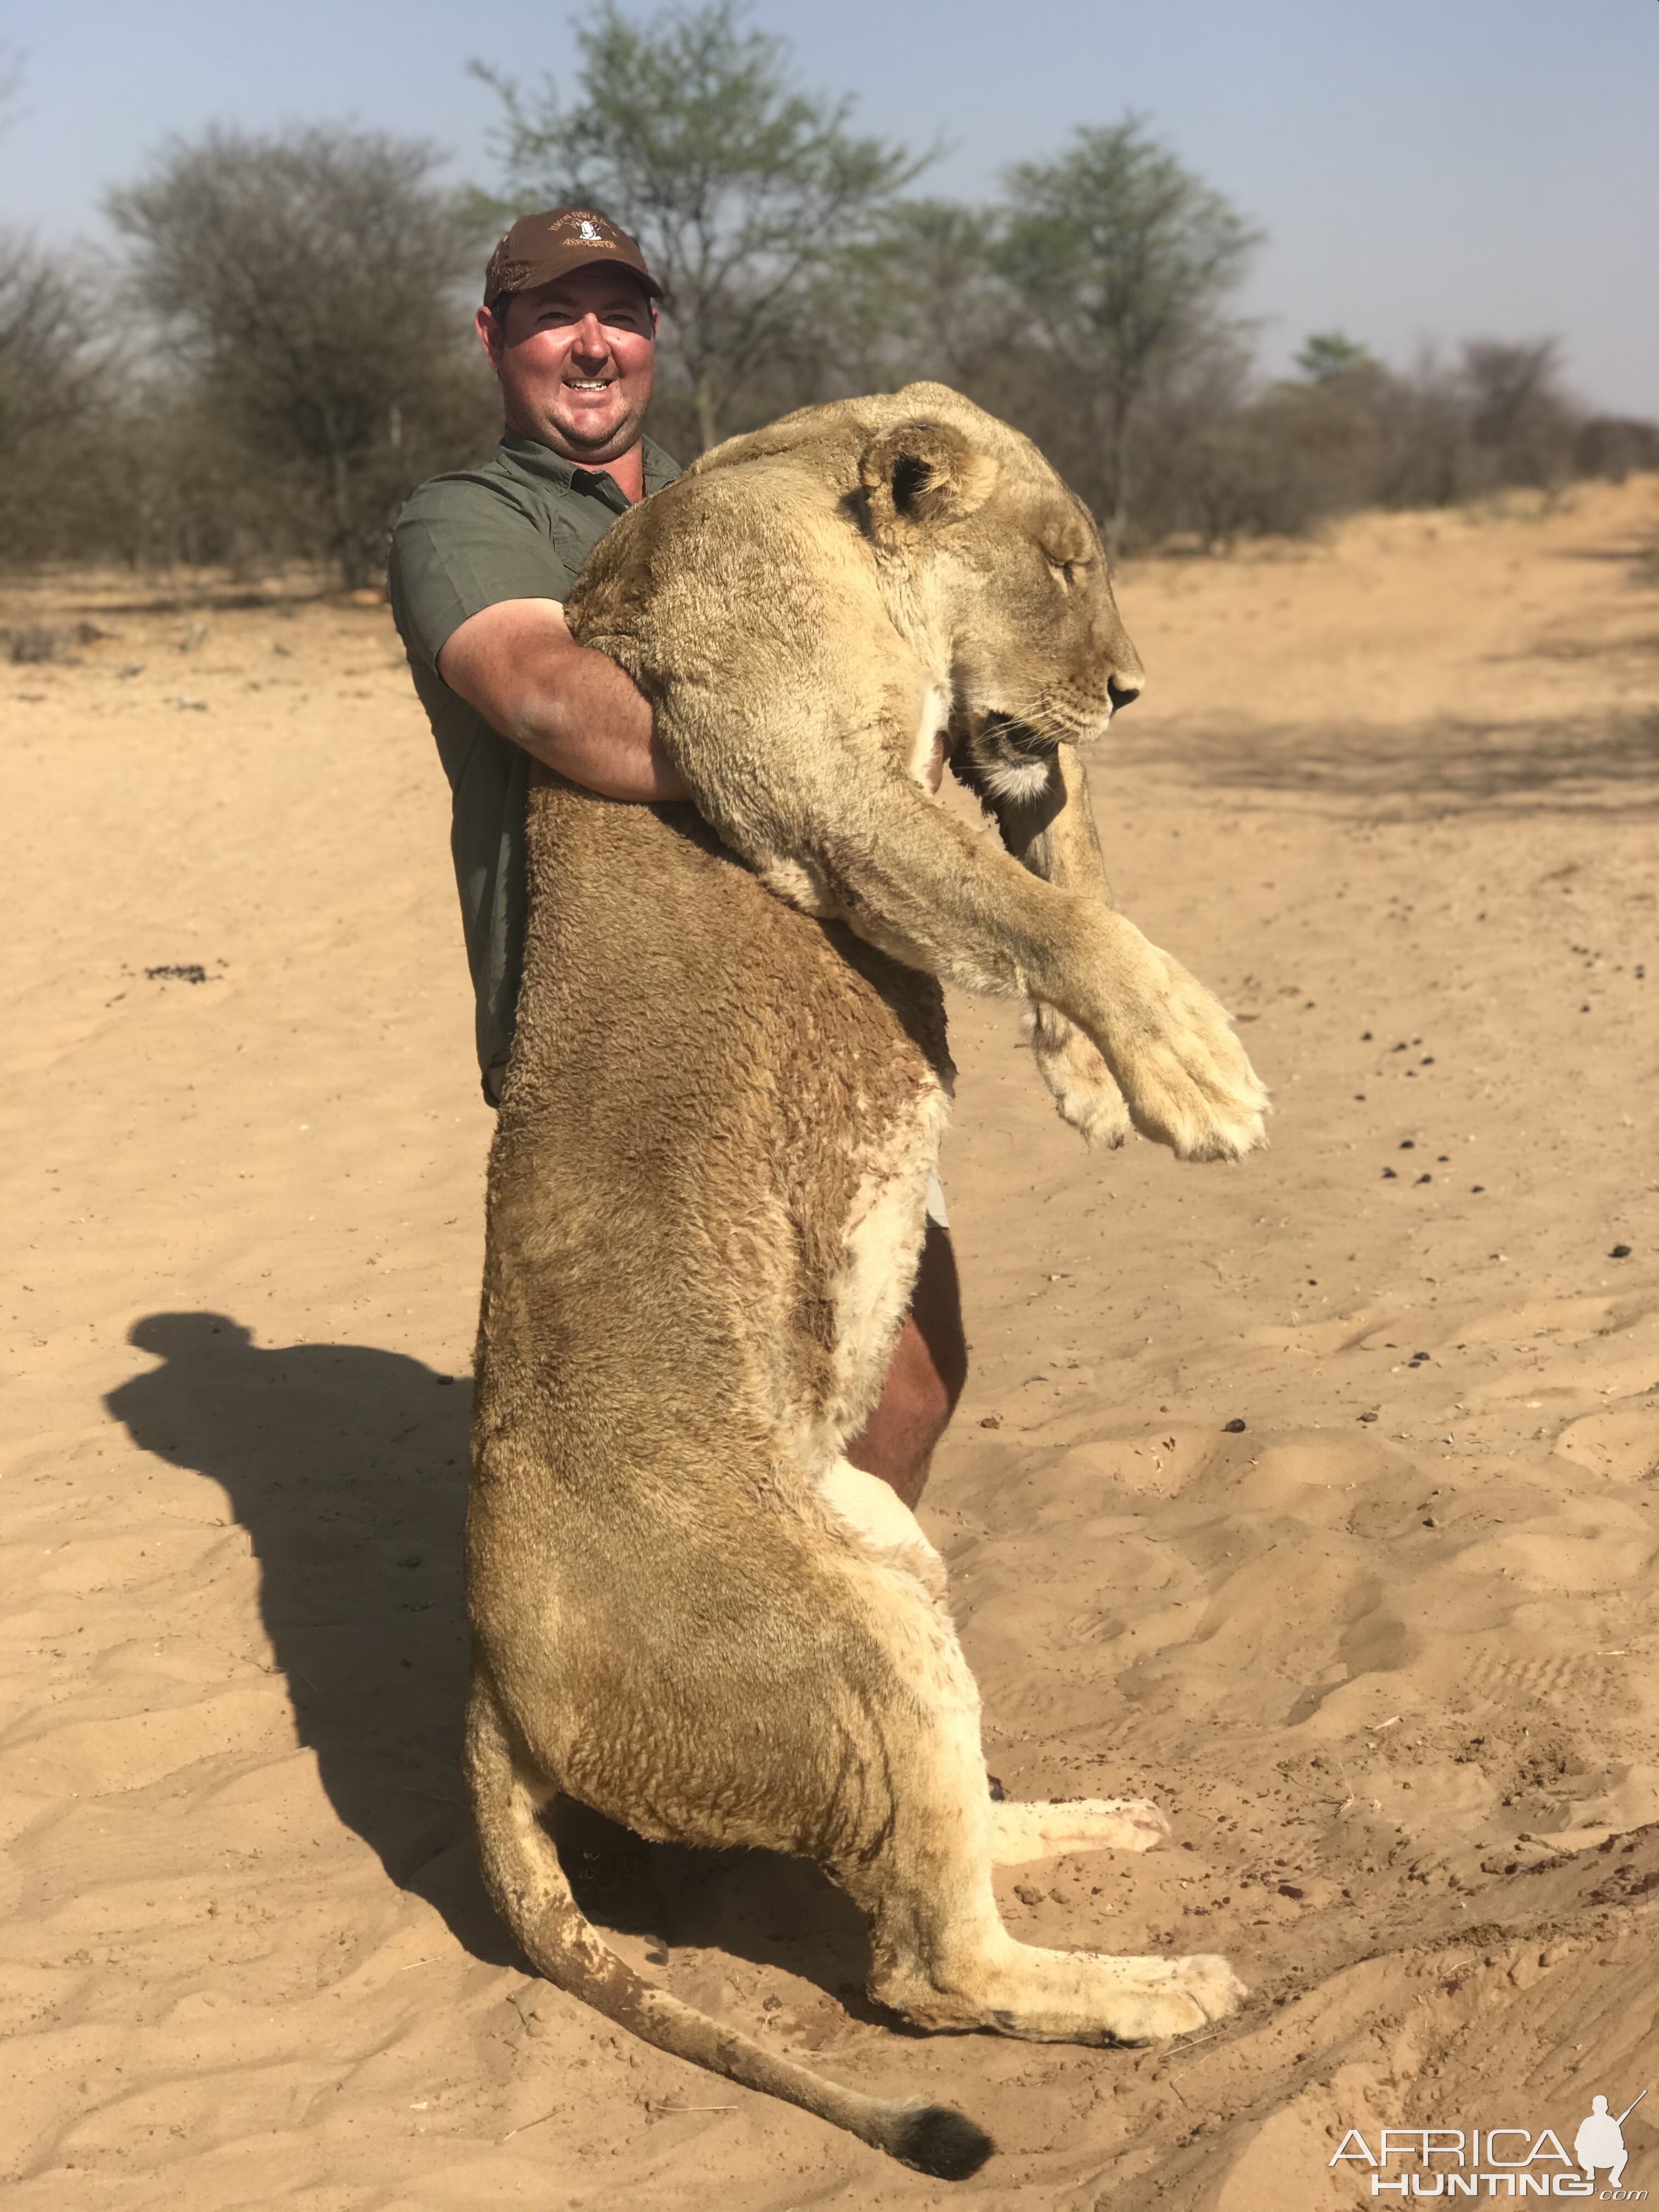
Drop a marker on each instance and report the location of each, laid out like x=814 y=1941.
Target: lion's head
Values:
x=988 y=562
x=998 y=552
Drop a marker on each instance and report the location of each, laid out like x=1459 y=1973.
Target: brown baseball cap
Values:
x=540 y=248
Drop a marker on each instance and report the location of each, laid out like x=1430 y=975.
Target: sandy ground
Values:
x=1315 y=1498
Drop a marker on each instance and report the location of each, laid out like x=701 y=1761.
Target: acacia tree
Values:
x=1123 y=260
x=743 y=190
x=308 y=284
x=918 y=297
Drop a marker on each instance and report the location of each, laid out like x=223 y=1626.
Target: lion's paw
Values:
x=1187 y=1078
x=1085 y=1091
x=1170 y=1996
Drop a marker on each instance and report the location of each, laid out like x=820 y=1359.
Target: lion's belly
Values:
x=717 y=1128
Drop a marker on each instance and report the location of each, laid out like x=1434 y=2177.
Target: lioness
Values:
x=705 y=1199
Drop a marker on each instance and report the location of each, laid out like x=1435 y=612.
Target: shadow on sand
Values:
x=347 y=1465
x=1599 y=766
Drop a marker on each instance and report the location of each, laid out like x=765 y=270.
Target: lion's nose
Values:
x=1122 y=690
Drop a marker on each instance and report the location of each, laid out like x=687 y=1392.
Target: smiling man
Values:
x=482 y=560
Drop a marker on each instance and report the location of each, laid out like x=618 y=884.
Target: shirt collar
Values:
x=538 y=460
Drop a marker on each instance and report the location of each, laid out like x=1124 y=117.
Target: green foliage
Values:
x=744 y=191
x=1328 y=355
x=1122 y=259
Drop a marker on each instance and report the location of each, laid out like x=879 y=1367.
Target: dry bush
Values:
x=313 y=358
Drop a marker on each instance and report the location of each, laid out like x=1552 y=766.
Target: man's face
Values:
x=575 y=358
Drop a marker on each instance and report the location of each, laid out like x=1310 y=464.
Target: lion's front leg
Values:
x=930 y=892
x=836 y=825
x=1050 y=829
x=1160 y=1059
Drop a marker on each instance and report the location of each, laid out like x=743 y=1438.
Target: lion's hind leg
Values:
x=1023 y=1832
x=530 y=1889
x=875 y=1512
x=941 y=1953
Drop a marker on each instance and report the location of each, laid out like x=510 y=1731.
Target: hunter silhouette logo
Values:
x=1601 y=2140
x=1449 y=2162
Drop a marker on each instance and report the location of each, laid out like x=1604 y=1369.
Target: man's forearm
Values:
x=566 y=705
x=581 y=716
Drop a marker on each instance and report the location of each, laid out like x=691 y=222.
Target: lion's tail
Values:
x=522 y=1873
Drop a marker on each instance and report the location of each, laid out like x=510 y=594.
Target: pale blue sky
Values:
x=1424 y=169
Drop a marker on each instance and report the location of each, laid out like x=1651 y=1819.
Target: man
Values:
x=481 y=563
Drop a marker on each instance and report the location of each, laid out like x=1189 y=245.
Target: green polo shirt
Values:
x=518 y=528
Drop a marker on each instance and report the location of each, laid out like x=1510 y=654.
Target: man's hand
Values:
x=571 y=708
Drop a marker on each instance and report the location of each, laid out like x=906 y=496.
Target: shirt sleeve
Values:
x=461 y=545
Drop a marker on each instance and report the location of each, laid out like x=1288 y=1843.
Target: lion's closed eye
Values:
x=1068 y=574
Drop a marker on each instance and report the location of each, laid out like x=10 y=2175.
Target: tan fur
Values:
x=706 y=1208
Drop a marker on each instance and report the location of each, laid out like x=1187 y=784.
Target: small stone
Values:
x=1233 y=1428
x=1620 y=1252
x=990 y=1420
x=1028 y=1892
x=1388 y=1176
x=1368 y=1417
x=1425 y=1178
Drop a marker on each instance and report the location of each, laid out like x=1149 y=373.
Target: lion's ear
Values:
x=921 y=474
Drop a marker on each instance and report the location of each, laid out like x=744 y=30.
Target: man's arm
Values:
x=571 y=708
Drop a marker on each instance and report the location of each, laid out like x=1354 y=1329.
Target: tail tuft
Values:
x=939 y=2141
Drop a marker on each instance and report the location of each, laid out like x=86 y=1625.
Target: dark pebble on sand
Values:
x=1234 y=1428
x=1620 y=1252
